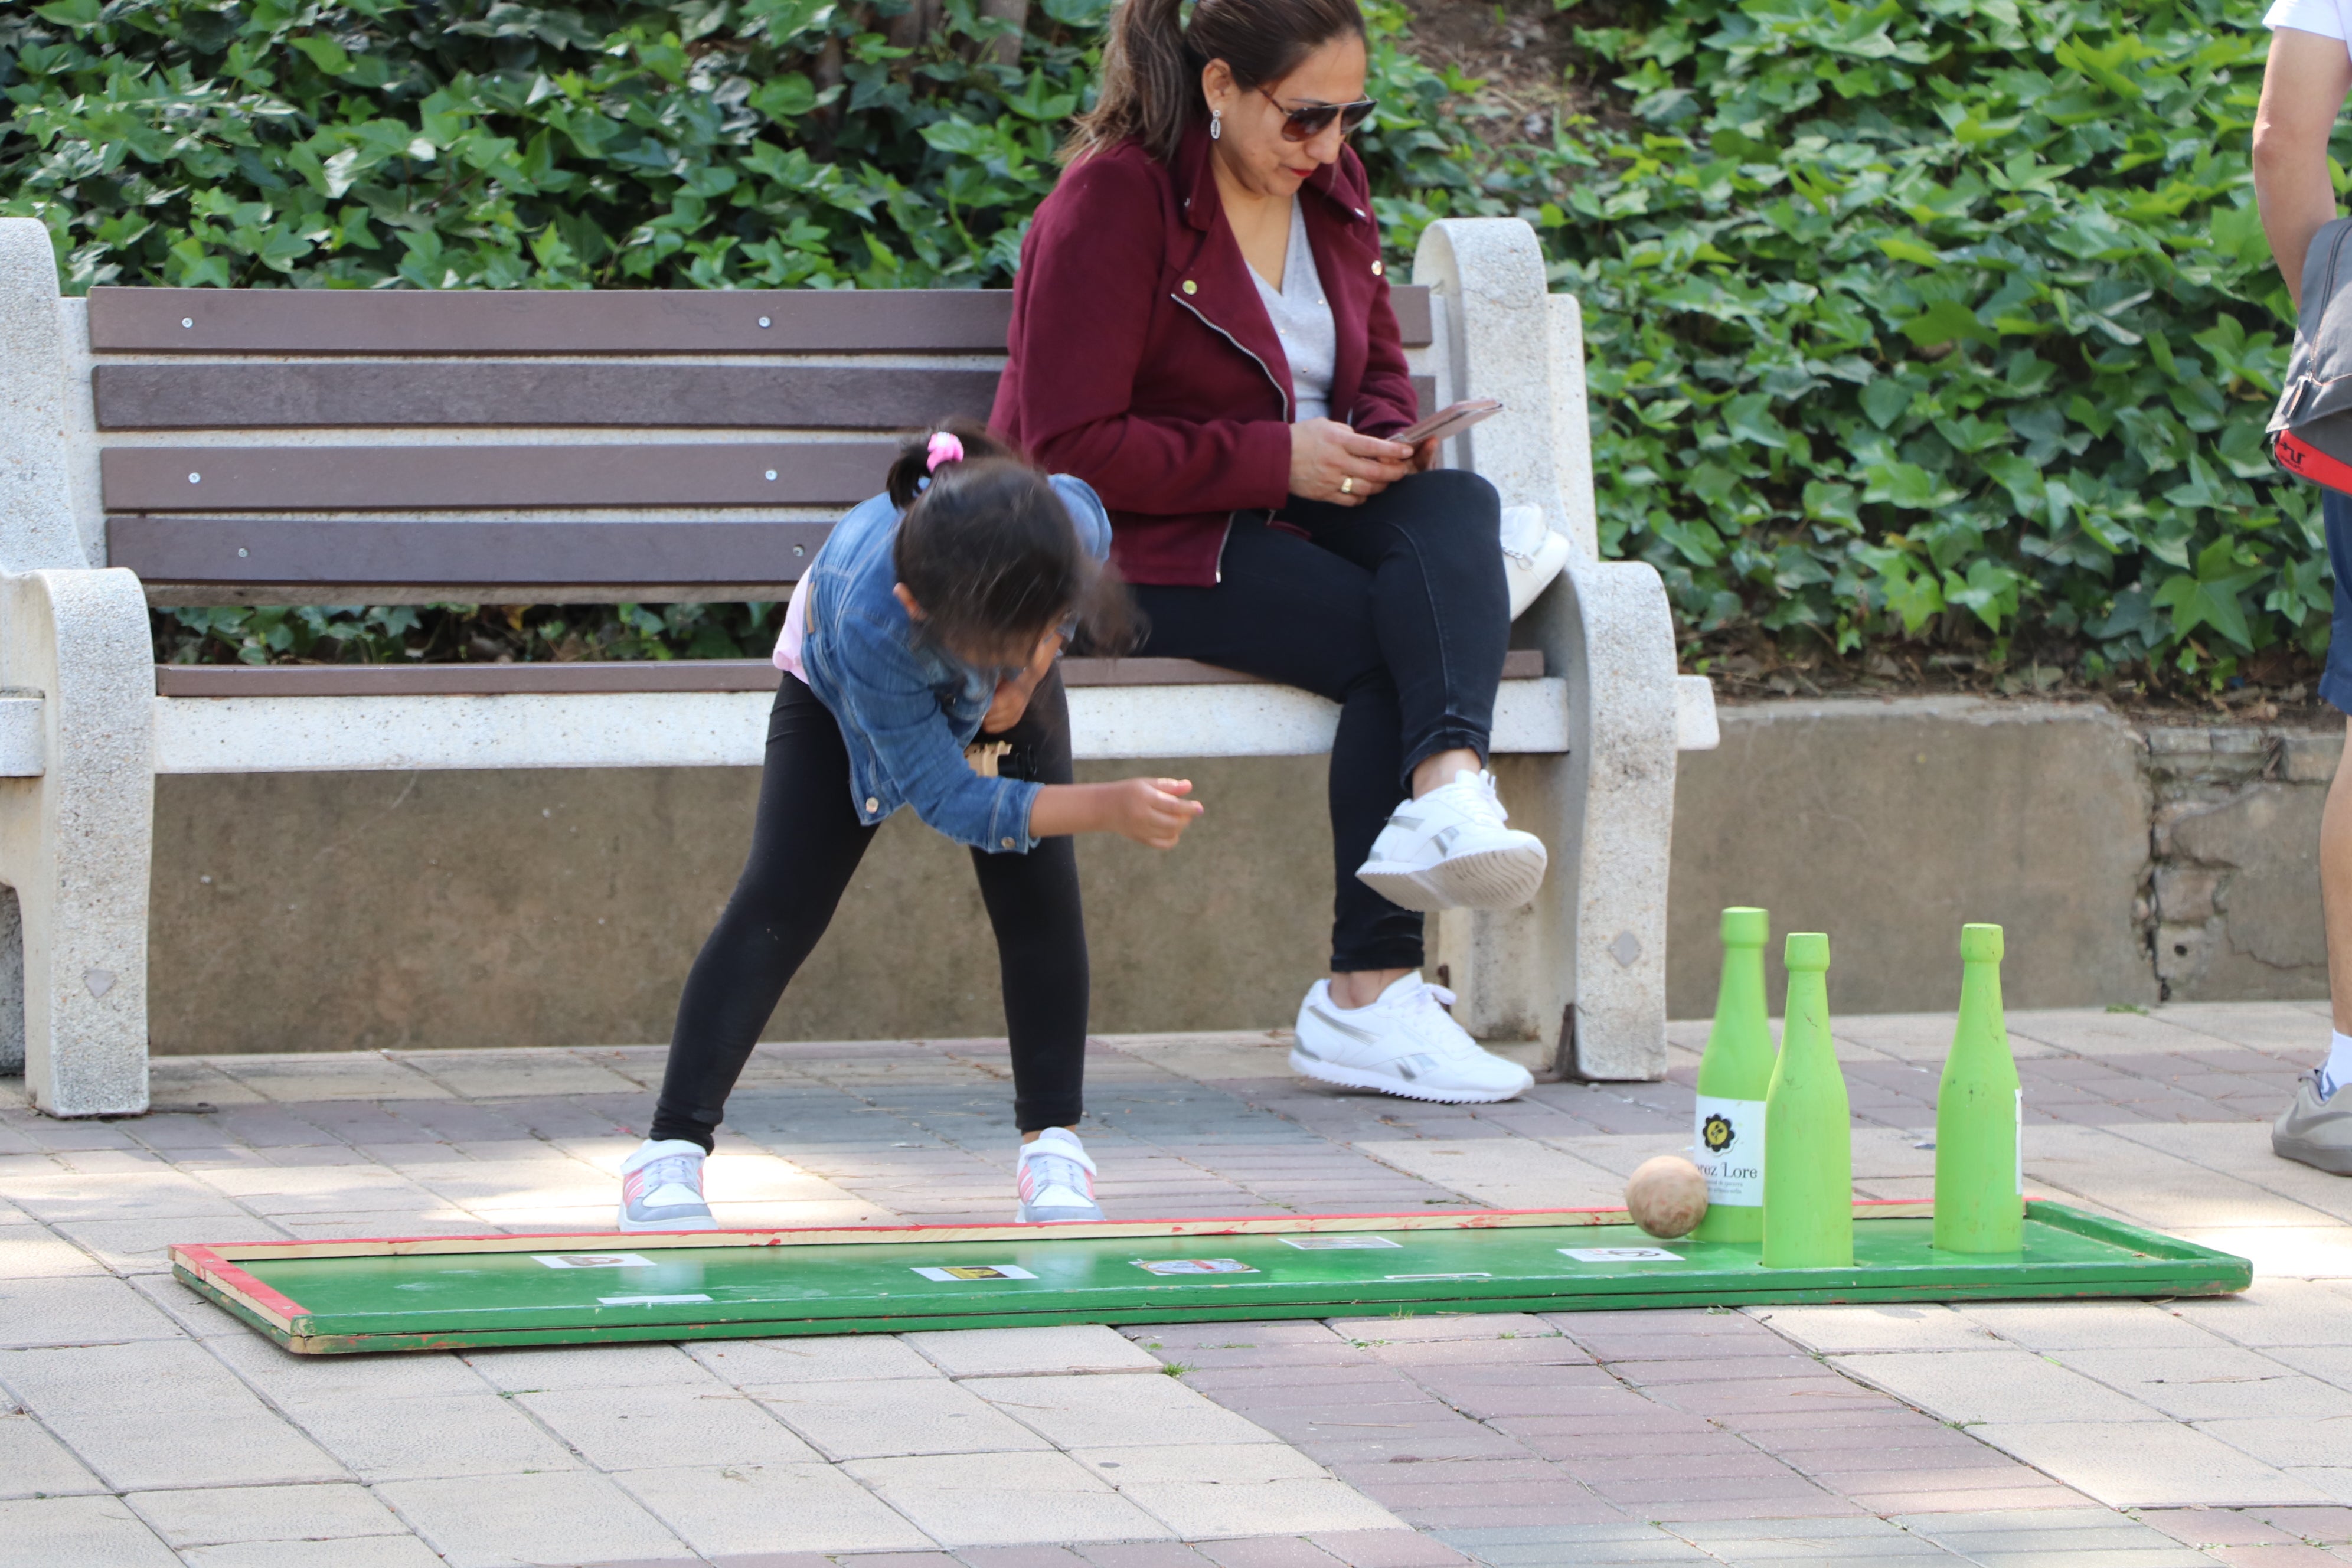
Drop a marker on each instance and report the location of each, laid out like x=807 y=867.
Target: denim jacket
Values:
x=906 y=709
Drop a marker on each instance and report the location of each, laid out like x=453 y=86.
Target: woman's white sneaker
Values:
x=661 y=1187
x=1405 y=1043
x=1056 y=1180
x=1450 y=849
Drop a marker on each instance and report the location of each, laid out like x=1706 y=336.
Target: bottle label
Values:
x=1729 y=1146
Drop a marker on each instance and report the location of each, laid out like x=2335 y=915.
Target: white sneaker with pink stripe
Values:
x=661 y=1187
x=1056 y=1180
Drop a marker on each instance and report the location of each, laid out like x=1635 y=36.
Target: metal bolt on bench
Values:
x=307 y=446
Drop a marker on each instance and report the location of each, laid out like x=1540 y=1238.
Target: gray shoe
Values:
x=2316 y=1132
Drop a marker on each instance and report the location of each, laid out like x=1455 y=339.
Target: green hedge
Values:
x=1940 y=329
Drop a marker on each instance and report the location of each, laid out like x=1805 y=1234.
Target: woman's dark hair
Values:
x=1152 y=63
x=989 y=550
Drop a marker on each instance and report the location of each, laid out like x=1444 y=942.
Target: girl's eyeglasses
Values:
x=1307 y=123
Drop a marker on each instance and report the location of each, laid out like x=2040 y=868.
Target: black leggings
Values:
x=805 y=844
x=1397 y=611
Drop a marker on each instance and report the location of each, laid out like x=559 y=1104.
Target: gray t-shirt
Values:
x=1302 y=319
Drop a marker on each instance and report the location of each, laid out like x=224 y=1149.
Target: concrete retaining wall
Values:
x=343 y=911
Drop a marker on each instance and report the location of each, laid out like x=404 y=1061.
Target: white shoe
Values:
x=1450 y=850
x=1533 y=554
x=661 y=1187
x=1405 y=1043
x=1055 y=1179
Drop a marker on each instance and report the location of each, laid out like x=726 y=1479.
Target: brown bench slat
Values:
x=631 y=396
x=669 y=675
x=614 y=320
x=346 y=553
x=392 y=478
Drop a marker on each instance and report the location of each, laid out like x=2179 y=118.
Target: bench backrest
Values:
x=275 y=446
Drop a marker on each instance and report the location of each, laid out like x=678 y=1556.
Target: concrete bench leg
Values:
x=1584 y=967
x=75 y=842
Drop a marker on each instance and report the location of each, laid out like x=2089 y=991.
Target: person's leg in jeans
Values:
x=806 y=842
x=1285 y=609
x=2316 y=1127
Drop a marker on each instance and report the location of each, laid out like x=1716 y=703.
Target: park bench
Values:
x=280 y=447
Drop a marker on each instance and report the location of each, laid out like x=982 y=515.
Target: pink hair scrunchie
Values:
x=944 y=448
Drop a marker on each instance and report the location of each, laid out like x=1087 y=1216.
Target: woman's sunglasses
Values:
x=1307 y=123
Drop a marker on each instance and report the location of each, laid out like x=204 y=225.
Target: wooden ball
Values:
x=1667 y=1197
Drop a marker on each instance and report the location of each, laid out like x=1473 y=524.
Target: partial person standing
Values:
x=2303 y=88
x=1202 y=331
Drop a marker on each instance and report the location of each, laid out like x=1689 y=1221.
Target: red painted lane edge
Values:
x=208 y=1264
x=1465 y=1219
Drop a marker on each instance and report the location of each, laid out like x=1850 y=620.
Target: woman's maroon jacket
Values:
x=1143 y=362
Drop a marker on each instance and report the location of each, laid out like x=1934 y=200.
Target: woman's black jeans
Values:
x=806 y=843
x=1396 y=610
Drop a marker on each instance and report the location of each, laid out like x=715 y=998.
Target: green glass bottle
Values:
x=1807 y=1138
x=1980 y=1113
x=1728 y=1123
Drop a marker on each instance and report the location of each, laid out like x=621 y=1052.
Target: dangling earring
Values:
x=1216 y=124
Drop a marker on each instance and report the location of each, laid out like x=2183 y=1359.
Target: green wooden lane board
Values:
x=448 y=1292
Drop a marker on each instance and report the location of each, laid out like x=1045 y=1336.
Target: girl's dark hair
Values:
x=989 y=550
x=1152 y=63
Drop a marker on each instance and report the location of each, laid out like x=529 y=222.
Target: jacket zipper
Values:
x=1279 y=392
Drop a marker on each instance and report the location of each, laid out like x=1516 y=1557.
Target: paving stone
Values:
x=48 y=1531
x=30 y=1251
x=1113 y=1412
x=1022 y=1557
x=591 y=1366
x=33 y=1464
x=2213 y=1382
x=727 y=1510
x=1575 y=1546
x=2141 y=1464
x=294 y=1380
x=873 y=1420
x=623 y=1428
x=214 y=1516
x=1386 y=1549
x=2005 y=1385
x=757 y=1364
x=493 y=1522
x=450 y=1435
x=990 y=1500
x=2215 y=1527
x=1141 y=1554
x=367 y=1551
x=1875 y=1327
x=141 y=1245
x=127 y=1410
x=1284 y=1551
x=2048 y=1326
x=1444 y=1326
x=2274 y=1312
x=1007 y=1353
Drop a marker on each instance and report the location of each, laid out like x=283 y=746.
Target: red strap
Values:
x=2305 y=461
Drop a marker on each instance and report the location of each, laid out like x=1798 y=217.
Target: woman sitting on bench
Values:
x=1202 y=331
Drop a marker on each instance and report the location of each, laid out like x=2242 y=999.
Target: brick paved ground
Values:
x=141 y=1426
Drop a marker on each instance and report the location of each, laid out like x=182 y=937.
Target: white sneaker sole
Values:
x=1400 y=884
x=1385 y=1083
x=1487 y=879
x=654 y=1226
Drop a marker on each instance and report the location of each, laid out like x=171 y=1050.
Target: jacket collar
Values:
x=1342 y=182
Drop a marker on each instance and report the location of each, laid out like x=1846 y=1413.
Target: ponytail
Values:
x=989 y=550
x=1151 y=64
x=913 y=470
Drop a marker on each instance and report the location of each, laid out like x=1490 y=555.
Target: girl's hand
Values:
x=1152 y=812
x=1424 y=457
x=1325 y=455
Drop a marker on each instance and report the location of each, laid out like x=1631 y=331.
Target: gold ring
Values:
x=1348 y=486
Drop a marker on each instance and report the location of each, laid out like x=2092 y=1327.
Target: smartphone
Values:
x=1450 y=421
